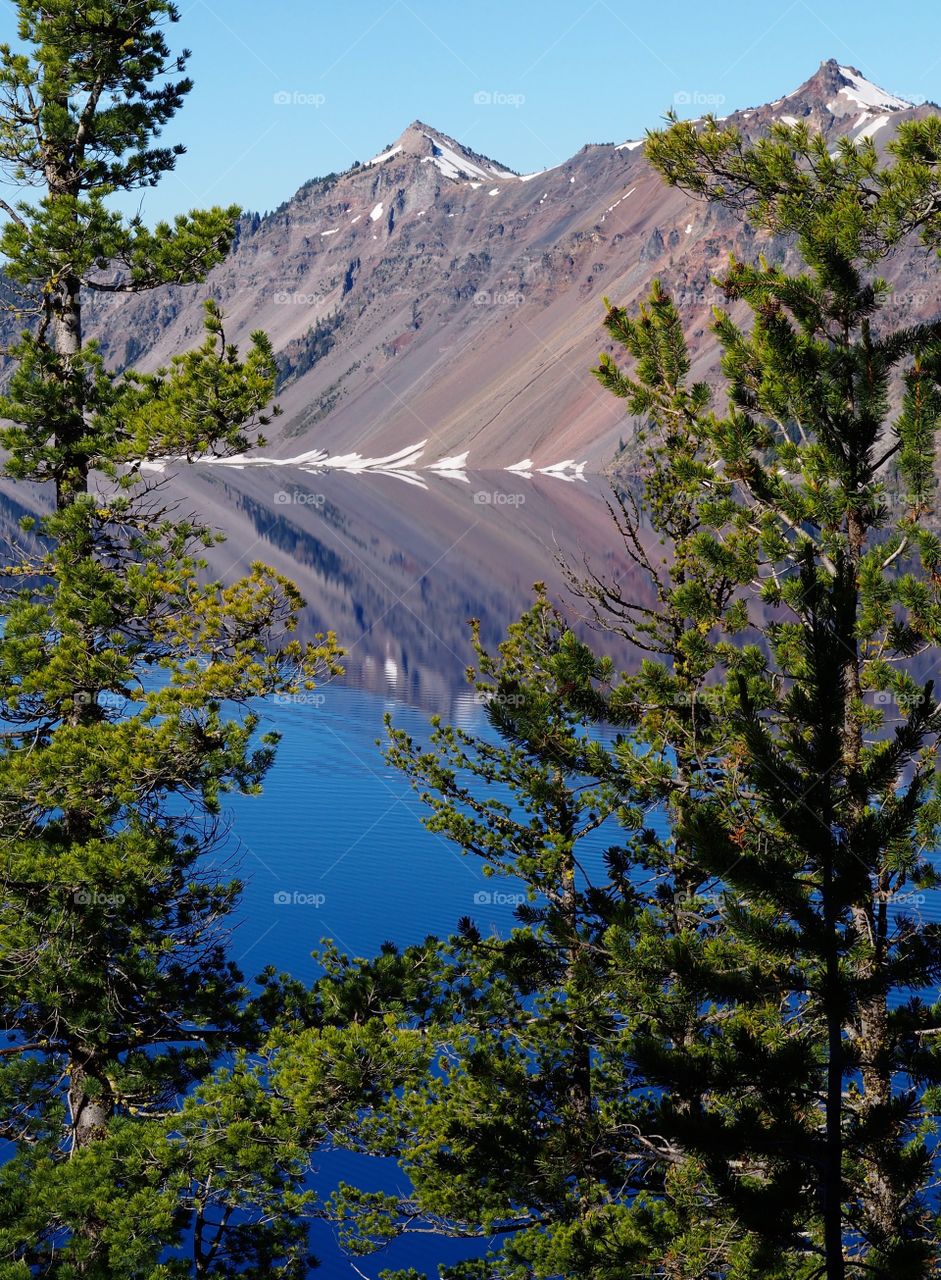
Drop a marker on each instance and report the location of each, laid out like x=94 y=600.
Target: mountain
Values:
x=432 y=303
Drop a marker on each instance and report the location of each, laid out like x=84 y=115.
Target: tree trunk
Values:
x=67 y=343
x=64 y=312
x=580 y=1089
x=90 y=1109
x=831 y=1184
x=883 y=1205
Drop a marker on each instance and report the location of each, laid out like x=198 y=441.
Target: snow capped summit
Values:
x=383 y=156
x=837 y=100
x=451 y=158
x=842 y=90
x=427 y=284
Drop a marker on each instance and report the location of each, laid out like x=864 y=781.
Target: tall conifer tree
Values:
x=758 y=965
x=118 y=660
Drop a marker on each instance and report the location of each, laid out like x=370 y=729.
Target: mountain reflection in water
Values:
x=397 y=570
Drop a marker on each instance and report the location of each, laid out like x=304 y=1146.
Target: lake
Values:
x=335 y=846
x=397 y=571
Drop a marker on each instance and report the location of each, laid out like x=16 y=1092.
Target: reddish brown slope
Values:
x=453 y=301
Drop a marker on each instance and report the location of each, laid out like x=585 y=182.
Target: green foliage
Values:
x=127 y=678
x=717 y=1053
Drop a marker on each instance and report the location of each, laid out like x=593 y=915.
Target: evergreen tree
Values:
x=126 y=678
x=510 y=1101
x=821 y=812
x=751 y=984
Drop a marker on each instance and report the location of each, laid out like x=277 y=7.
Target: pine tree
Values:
x=126 y=678
x=509 y=1102
x=83 y=100
x=818 y=813
x=750 y=982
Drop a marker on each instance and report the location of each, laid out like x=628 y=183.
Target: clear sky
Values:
x=288 y=90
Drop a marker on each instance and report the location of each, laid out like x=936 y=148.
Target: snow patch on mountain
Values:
x=528 y=177
x=612 y=207
x=568 y=470
x=866 y=94
x=450 y=163
x=452 y=465
x=384 y=155
x=873 y=127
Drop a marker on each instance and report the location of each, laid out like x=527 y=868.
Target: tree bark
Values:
x=831 y=1187
x=90 y=1109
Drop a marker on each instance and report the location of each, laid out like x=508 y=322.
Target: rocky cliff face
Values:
x=433 y=295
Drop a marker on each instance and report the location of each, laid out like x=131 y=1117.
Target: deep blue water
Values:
x=335 y=847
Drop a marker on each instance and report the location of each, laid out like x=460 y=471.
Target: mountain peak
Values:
x=452 y=158
x=843 y=89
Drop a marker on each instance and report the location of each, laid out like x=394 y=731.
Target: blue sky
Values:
x=558 y=73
